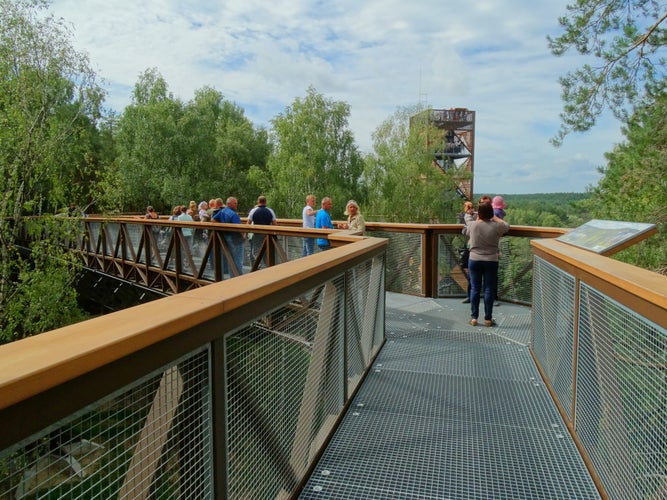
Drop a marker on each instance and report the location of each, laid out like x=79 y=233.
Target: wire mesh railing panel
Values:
x=553 y=328
x=515 y=270
x=285 y=248
x=452 y=272
x=149 y=440
x=112 y=229
x=364 y=317
x=285 y=387
x=288 y=375
x=292 y=246
x=621 y=416
x=94 y=228
x=404 y=261
x=134 y=233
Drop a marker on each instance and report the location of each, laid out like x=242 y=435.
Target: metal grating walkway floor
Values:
x=451 y=411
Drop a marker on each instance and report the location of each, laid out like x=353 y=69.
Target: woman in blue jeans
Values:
x=484 y=234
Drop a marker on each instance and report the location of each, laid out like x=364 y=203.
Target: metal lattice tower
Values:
x=454 y=145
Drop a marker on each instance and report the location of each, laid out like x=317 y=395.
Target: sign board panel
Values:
x=607 y=237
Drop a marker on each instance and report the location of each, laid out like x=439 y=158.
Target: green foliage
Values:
x=40 y=296
x=170 y=152
x=626 y=41
x=403 y=183
x=634 y=183
x=49 y=106
x=314 y=153
x=548 y=209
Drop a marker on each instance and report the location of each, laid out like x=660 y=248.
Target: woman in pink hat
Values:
x=499 y=207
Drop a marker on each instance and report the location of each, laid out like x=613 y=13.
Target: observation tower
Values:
x=453 y=144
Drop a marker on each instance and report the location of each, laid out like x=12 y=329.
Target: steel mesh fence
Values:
x=621 y=415
x=267 y=365
x=403 y=261
x=553 y=328
x=149 y=440
x=134 y=233
x=515 y=268
x=288 y=376
x=452 y=273
x=111 y=229
x=364 y=318
x=94 y=229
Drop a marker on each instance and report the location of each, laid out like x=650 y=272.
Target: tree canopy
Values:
x=170 y=152
x=314 y=153
x=403 y=182
x=634 y=183
x=49 y=106
x=626 y=41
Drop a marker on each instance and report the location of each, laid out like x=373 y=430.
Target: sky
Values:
x=490 y=56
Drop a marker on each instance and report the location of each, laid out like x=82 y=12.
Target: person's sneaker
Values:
x=473 y=322
x=465 y=301
x=490 y=322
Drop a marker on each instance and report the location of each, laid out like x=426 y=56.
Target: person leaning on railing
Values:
x=484 y=237
x=308 y=221
x=355 y=221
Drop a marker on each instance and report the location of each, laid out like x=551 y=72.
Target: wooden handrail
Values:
x=36 y=364
x=643 y=291
x=292 y=227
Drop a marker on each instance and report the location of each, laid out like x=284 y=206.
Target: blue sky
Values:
x=490 y=56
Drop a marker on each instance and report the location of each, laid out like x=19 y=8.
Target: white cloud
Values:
x=490 y=56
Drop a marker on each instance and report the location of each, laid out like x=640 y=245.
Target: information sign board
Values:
x=607 y=236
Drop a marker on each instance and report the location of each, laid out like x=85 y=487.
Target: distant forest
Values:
x=548 y=209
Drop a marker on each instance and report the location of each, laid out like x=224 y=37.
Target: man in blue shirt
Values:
x=323 y=221
x=234 y=240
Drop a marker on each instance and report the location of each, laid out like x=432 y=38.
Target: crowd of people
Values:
x=215 y=210
x=484 y=228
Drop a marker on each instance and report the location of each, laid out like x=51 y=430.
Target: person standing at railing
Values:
x=308 y=221
x=151 y=213
x=484 y=237
x=188 y=232
x=323 y=221
x=355 y=221
x=155 y=229
x=469 y=216
x=263 y=216
x=203 y=214
x=485 y=198
x=228 y=215
x=499 y=206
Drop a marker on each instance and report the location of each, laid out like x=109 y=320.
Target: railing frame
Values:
x=45 y=371
x=66 y=369
x=146 y=265
x=642 y=292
